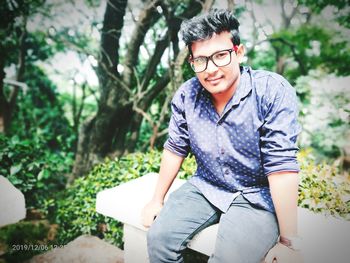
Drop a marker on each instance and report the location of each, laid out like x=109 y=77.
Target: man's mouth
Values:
x=214 y=80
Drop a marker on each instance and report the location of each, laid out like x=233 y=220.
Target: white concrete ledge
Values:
x=326 y=239
x=12 y=203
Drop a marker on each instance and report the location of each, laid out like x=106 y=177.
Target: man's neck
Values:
x=221 y=99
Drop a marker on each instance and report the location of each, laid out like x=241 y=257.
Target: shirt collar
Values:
x=244 y=87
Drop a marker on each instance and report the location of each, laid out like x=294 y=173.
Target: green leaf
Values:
x=15 y=169
x=15 y=180
x=41 y=175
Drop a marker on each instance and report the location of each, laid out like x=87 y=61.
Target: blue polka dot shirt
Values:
x=235 y=152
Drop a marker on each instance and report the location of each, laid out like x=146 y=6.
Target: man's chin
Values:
x=216 y=90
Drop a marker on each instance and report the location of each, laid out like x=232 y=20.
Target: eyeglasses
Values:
x=220 y=59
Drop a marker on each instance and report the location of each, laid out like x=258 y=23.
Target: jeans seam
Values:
x=195 y=231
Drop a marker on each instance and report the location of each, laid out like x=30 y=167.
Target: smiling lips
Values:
x=214 y=81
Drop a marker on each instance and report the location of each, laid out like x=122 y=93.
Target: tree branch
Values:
x=156 y=88
x=148 y=16
x=230 y=4
x=208 y=4
x=21 y=66
x=161 y=45
x=113 y=23
x=287 y=19
x=293 y=49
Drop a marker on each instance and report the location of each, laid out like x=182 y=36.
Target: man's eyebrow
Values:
x=193 y=57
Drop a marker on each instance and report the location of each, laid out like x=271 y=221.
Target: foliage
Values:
x=323 y=188
x=262 y=60
x=34 y=170
x=312 y=46
x=187 y=71
x=38 y=153
x=40 y=113
x=23 y=240
x=15 y=38
x=76 y=213
x=146 y=131
x=324 y=113
x=78 y=108
x=341 y=9
x=188 y=168
x=9 y=10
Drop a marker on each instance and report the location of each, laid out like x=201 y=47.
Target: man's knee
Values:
x=162 y=246
x=158 y=237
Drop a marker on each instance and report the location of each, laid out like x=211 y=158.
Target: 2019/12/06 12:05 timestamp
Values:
x=42 y=247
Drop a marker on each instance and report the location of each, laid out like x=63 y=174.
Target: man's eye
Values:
x=200 y=60
x=220 y=55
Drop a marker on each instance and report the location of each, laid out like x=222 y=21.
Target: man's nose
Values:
x=211 y=67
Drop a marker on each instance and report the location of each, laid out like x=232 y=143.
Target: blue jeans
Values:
x=246 y=233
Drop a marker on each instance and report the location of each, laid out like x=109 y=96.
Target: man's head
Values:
x=203 y=27
x=215 y=51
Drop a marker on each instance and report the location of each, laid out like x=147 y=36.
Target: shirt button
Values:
x=222 y=151
x=227 y=171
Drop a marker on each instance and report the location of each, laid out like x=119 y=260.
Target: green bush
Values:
x=23 y=240
x=33 y=169
x=323 y=187
x=39 y=115
x=76 y=214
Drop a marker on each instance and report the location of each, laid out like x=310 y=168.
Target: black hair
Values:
x=203 y=27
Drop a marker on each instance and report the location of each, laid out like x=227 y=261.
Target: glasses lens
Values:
x=199 y=64
x=222 y=58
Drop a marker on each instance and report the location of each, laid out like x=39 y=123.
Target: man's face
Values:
x=218 y=80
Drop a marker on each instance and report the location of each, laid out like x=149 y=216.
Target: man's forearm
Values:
x=169 y=168
x=284 y=192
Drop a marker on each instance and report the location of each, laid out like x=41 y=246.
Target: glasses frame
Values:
x=190 y=60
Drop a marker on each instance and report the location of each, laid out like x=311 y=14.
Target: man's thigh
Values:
x=184 y=214
x=246 y=233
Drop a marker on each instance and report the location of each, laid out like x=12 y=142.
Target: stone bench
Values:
x=326 y=239
x=12 y=203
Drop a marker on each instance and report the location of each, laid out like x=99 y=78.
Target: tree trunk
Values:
x=97 y=134
x=4 y=105
x=114 y=130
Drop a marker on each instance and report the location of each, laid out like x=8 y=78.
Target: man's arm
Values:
x=284 y=193
x=169 y=168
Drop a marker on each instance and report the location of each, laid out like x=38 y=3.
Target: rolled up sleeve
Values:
x=178 y=140
x=280 y=130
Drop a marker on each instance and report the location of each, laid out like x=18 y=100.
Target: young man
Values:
x=241 y=125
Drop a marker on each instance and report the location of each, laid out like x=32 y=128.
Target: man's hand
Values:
x=149 y=212
x=283 y=254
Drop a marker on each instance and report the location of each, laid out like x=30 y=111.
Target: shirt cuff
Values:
x=175 y=149
x=286 y=167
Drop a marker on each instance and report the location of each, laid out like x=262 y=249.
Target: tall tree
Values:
x=300 y=40
x=13 y=34
x=126 y=95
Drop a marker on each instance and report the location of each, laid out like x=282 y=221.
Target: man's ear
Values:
x=240 y=53
x=189 y=51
